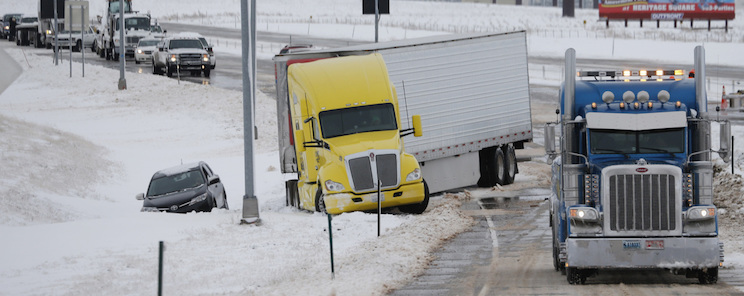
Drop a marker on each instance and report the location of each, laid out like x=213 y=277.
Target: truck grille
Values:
x=363 y=178
x=642 y=202
x=191 y=58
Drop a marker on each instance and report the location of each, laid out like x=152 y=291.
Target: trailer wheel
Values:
x=319 y=201
x=575 y=276
x=510 y=164
x=419 y=207
x=499 y=167
x=708 y=276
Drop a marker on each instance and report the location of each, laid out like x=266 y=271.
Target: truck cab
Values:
x=179 y=54
x=347 y=136
x=632 y=186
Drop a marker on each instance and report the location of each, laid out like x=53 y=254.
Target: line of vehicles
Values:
x=144 y=40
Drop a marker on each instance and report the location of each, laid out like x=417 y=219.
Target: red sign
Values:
x=641 y=170
x=667 y=9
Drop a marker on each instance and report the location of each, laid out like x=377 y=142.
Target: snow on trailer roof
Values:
x=372 y=47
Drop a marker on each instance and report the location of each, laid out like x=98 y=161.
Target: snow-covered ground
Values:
x=76 y=151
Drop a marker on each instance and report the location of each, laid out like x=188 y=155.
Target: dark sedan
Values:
x=183 y=189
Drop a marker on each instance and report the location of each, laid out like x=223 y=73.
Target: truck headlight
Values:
x=701 y=213
x=173 y=58
x=205 y=58
x=333 y=186
x=413 y=176
x=139 y=51
x=49 y=32
x=585 y=214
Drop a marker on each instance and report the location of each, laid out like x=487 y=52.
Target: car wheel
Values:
x=224 y=197
x=78 y=46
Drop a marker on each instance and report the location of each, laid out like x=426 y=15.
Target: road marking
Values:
x=492 y=229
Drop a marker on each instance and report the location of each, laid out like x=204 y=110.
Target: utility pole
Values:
x=248 y=30
x=122 y=55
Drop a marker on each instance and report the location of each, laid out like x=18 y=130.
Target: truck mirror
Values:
x=725 y=149
x=549 y=139
x=417 y=131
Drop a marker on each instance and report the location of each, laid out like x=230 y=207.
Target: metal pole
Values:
x=69 y=45
x=330 y=239
x=379 y=205
x=82 y=35
x=122 y=59
x=250 y=202
x=732 y=155
x=56 y=28
x=160 y=269
x=377 y=17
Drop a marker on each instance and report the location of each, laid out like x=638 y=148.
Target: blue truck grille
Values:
x=642 y=202
x=364 y=179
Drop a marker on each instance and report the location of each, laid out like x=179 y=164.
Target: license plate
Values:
x=374 y=198
x=631 y=244
x=654 y=244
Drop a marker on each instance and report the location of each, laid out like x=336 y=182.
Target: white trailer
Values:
x=472 y=92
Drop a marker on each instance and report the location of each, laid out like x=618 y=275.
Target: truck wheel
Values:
x=107 y=53
x=708 y=276
x=575 y=276
x=168 y=71
x=419 y=207
x=206 y=73
x=319 y=201
x=510 y=164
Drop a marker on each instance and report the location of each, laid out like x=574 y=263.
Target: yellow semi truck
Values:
x=346 y=130
x=342 y=114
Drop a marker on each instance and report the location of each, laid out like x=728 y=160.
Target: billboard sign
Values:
x=667 y=9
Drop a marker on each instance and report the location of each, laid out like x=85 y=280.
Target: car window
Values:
x=176 y=182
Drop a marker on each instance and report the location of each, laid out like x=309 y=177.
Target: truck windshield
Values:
x=185 y=43
x=114 y=7
x=176 y=183
x=135 y=23
x=341 y=122
x=629 y=142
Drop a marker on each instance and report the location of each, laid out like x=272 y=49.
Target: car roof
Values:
x=177 y=169
x=188 y=34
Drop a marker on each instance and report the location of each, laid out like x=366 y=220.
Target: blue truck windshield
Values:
x=630 y=142
x=341 y=122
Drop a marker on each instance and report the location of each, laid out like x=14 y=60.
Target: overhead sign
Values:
x=667 y=9
x=368 y=6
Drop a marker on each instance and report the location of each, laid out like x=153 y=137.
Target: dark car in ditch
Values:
x=184 y=188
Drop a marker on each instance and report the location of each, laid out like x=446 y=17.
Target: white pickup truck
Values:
x=178 y=54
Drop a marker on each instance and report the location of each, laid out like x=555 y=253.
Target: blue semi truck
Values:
x=632 y=180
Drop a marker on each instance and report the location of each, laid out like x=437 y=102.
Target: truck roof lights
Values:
x=628 y=97
x=643 y=96
x=608 y=97
x=660 y=74
x=663 y=96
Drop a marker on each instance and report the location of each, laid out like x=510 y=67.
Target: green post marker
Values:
x=330 y=238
